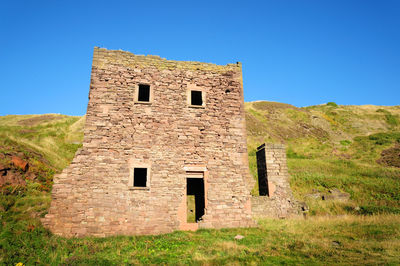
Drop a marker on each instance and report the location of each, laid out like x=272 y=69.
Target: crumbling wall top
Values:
x=103 y=57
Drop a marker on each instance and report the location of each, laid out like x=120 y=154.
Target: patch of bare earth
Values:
x=391 y=156
x=38 y=119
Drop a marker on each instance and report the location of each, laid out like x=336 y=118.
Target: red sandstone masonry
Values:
x=280 y=203
x=92 y=195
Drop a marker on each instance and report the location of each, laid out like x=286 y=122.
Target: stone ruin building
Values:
x=163 y=141
x=164 y=149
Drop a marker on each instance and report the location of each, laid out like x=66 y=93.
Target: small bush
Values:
x=390 y=119
x=290 y=153
x=16 y=190
x=384 y=138
x=6 y=202
x=252 y=152
x=372 y=209
x=345 y=142
x=333 y=104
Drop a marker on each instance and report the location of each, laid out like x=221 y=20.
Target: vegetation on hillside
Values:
x=53 y=138
x=330 y=146
x=351 y=148
x=47 y=143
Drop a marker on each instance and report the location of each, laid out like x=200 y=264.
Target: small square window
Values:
x=196 y=98
x=144 y=93
x=140 y=177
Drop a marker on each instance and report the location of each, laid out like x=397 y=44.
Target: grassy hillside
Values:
x=330 y=146
x=53 y=137
x=352 y=148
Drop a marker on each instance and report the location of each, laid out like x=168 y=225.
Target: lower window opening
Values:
x=140 y=177
x=195 y=199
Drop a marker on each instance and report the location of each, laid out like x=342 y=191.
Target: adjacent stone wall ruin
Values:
x=278 y=202
x=93 y=195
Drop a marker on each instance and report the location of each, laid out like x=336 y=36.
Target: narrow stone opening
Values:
x=195 y=199
x=140 y=177
x=144 y=93
x=262 y=171
x=196 y=98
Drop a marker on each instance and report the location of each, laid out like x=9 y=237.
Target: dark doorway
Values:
x=262 y=171
x=195 y=199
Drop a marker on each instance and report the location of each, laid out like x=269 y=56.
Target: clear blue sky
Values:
x=301 y=52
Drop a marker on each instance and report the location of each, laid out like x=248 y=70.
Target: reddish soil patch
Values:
x=273 y=106
x=391 y=156
x=38 y=119
x=11 y=177
x=26 y=131
x=9 y=173
x=19 y=163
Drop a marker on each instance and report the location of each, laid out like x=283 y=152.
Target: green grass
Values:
x=371 y=186
x=344 y=240
x=328 y=146
x=340 y=149
x=390 y=119
x=375 y=188
x=52 y=137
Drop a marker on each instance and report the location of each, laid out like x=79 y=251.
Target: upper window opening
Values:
x=140 y=177
x=196 y=98
x=144 y=93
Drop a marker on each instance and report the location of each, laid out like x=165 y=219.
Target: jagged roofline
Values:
x=103 y=57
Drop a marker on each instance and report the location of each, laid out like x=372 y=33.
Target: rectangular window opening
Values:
x=195 y=199
x=196 y=98
x=140 y=177
x=144 y=93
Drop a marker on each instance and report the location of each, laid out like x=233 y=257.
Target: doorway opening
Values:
x=262 y=171
x=195 y=200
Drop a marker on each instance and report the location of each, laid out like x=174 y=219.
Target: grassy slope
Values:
x=54 y=137
x=328 y=147
x=332 y=147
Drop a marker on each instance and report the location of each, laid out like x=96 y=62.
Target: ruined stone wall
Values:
x=280 y=202
x=93 y=197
